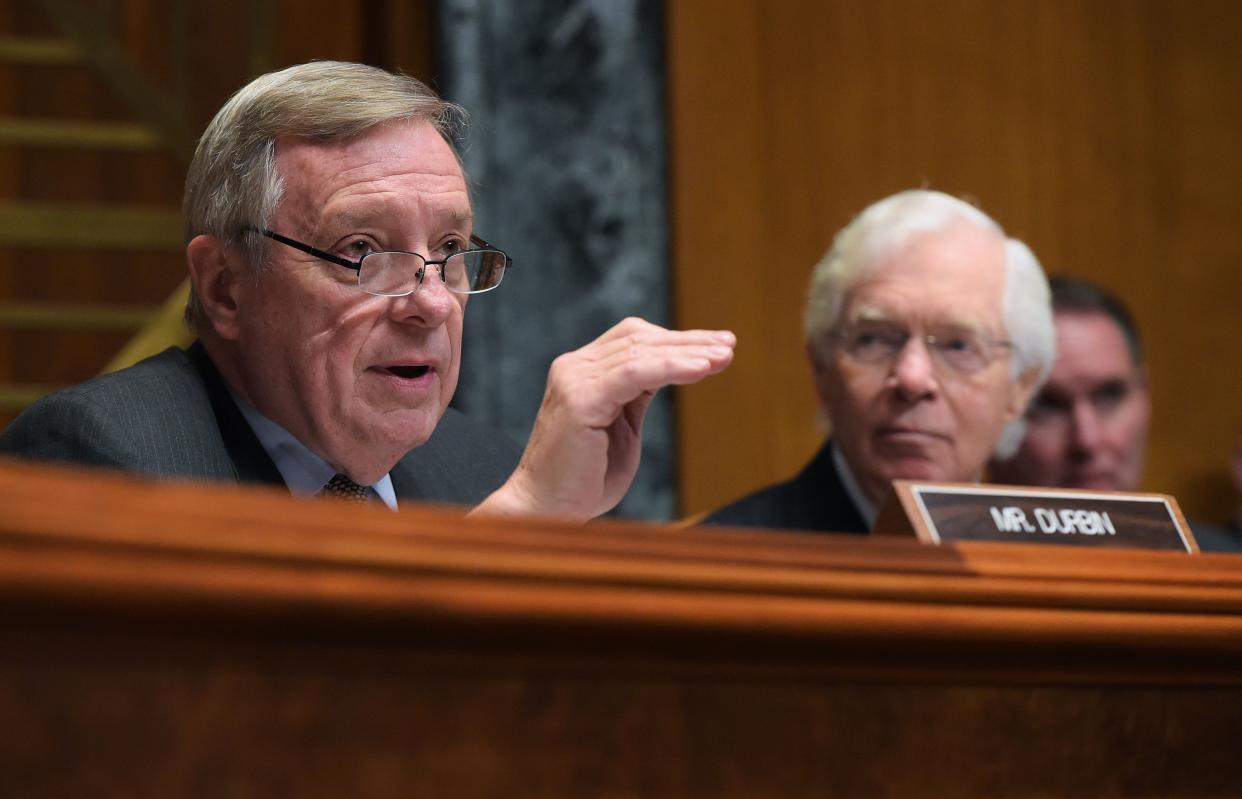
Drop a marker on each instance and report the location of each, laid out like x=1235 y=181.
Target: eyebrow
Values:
x=373 y=215
x=874 y=313
x=962 y=323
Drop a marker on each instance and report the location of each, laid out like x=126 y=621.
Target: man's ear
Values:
x=217 y=273
x=1144 y=388
x=1020 y=394
x=819 y=372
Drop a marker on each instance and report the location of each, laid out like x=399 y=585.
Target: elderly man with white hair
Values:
x=927 y=331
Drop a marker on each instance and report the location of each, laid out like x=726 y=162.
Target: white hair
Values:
x=884 y=228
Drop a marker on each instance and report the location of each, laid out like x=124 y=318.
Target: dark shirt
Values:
x=814 y=500
x=1216 y=537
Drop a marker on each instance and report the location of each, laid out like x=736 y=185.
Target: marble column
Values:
x=565 y=152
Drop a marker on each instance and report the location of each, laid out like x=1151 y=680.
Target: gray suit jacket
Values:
x=172 y=416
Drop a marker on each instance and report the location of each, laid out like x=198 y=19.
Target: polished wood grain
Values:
x=178 y=639
x=1102 y=133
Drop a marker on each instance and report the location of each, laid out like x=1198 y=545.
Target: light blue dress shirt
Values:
x=305 y=472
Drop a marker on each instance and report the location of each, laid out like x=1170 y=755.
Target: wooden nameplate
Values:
x=936 y=513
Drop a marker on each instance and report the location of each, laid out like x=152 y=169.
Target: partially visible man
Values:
x=1228 y=536
x=1087 y=426
x=927 y=330
x=331 y=248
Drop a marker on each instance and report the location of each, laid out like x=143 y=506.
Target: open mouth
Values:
x=409 y=372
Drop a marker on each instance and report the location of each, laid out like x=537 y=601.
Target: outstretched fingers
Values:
x=586 y=444
x=633 y=359
x=627 y=373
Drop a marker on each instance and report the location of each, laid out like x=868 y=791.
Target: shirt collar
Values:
x=303 y=471
x=865 y=508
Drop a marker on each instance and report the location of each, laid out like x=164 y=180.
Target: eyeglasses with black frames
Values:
x=958 y=350
x=394 y=273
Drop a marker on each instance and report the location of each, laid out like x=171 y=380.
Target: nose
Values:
x=429 y=305
x=913 y=373
x=1085 y=428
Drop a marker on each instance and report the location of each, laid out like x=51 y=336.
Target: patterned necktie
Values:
x=342 y=488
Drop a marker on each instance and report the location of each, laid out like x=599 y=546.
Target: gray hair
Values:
x=886 y=226
x=232 y=187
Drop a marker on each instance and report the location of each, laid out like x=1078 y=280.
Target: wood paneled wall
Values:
x=1104 y=133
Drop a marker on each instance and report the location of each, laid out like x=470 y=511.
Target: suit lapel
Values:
x=834 y=508
x=404 y=483
x=251 y=461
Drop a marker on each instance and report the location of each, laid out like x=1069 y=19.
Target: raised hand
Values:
x=587 y=439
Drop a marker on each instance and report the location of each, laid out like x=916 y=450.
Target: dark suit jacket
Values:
x=814 y=500
x=1216 y=537
x=172 y=416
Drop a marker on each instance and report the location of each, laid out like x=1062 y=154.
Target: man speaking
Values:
x=331 y=249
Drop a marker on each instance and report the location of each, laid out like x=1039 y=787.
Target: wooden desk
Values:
x=165 y=640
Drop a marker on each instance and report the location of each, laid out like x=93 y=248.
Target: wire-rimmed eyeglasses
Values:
x=959 y=350
x=395 y=273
